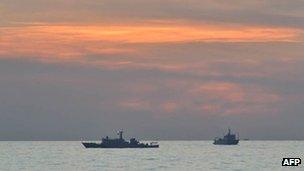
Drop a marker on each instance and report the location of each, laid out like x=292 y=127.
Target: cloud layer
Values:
x=167 y=69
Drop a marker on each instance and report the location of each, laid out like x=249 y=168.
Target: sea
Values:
x=172 y=155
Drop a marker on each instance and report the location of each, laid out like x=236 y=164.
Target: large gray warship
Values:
x=228 y=139
x=119 y=143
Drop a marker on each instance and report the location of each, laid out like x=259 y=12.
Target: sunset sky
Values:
x=157 y=69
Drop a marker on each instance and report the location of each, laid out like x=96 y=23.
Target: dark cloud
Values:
x=268 y=13
x=191 y=90
x=68 y=101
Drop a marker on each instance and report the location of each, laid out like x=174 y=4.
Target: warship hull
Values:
x=219 y=142
x=100 y=145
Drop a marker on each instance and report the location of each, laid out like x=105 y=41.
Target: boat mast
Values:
x=120 y=132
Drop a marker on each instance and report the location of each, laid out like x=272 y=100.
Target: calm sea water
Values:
x=172 y=155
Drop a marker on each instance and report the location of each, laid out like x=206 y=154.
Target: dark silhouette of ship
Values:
x=119 y=143
x=228 y=139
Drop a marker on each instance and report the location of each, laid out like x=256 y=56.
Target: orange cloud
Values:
x=235 y=93
x=170 y=107
x=225 y=98
x=224 y=91
x=72 y=42
x=135 y=104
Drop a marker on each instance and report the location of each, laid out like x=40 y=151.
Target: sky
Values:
x=161 y=70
